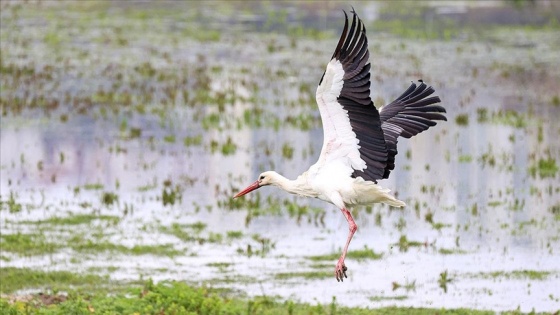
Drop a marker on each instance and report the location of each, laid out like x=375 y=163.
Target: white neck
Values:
x=299 y=186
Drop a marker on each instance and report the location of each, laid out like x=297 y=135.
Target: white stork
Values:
x=360 y=142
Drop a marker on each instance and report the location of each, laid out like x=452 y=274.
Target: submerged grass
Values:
x=388 y=298
x=404 y=243
x=515 y=274
x=75 y=220
x=544 y=168
x=309 y=275
x=361 y=254
x=82 y=245
x=27 y=244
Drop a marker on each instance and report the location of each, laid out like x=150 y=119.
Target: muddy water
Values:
x=480 y=199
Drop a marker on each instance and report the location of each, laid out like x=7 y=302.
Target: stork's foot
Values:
x=340 y=271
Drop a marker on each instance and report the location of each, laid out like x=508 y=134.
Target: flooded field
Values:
x=126 y=129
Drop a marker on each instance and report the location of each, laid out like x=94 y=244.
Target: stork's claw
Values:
x=340 y=271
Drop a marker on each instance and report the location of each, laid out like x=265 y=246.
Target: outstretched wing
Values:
x=351 y=124
x=410 y=114
x=356 y=137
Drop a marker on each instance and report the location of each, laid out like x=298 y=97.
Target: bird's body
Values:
x=360 y=142
x=323 y=185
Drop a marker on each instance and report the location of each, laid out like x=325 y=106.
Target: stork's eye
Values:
x=262 y=177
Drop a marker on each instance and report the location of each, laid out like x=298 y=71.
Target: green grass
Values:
x=462 y=119
x=388 y=298
x=515 y=274
x=13 y=279
x=404 y=244
x=309 y=275
x=407 y=20
x=361 y=254
x=509 y=118
x=109 y=198
x=192 y=141
x=82 y=245
x=168 y=297
x=179 y=231
x=451 y=251
x=75 y=220
x=465 y=158
x=93 y=186
x=11 y=204
x=545 y=168
x=219 y=264
x=27 y=244
x=234 y=234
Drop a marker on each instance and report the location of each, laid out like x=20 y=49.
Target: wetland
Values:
x=126 y=128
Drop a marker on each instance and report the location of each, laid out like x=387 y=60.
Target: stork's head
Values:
x=265 y=179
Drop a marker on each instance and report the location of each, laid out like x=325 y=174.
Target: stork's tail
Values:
x=376 y=193
x=394 y=202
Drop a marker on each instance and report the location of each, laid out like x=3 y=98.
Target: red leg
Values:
x=340 y=269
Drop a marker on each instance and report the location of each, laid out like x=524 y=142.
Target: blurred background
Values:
x=127 y=126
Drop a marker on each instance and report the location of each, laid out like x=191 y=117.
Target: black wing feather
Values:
x=411 y=113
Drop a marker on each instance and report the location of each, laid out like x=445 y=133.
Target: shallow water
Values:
x=492 y=208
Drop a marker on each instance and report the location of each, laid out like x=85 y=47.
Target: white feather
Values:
x=340 y=144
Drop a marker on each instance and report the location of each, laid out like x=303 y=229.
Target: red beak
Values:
x=249 y=189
